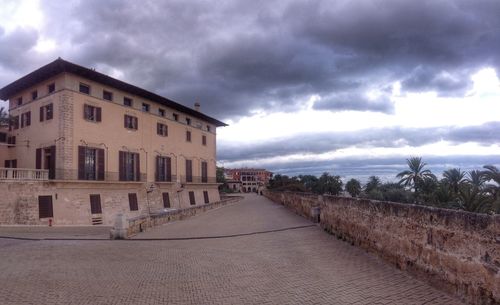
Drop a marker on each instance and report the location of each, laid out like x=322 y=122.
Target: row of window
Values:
x=46 y=209
x=46 y=113
x=34 y=94
x=127 y=101
x=94 y=114
x=91 y=166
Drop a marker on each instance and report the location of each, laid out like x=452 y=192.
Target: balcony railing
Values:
x=23 y=174
x=72 y=175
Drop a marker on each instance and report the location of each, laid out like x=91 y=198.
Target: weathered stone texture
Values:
x=455 y=250
x=66 y=141
x=141 y=223
x=71 y=200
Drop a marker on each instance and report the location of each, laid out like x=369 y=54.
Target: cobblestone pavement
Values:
x=298 y=266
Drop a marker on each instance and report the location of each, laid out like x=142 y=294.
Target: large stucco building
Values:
x=88 y=146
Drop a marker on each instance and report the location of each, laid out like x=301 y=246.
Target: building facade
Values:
x=102 y=146
x=251 y=179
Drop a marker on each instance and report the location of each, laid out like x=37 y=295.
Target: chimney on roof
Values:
x=197 y=106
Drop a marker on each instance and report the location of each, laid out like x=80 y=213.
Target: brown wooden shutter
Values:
x=13 y=163
x=100 y=164
x=41 y=113
x=85 y=111
x=98 y=114
x=205 y=197
x=81 y=162
x=158 y=169
x=192 y=200
x=204 y=173
x=125 y=121
x=28 y=118
x=52 y=165
x=138 y=167
x=95 y=204
x=45 y=209
x=121 y=165
x=166 y=200
x=136 y=123
x=132 y=201
x=38 y=160
x=6 y=163
x=189 y=171
x=22 y=120
x=169 y=169
x=158 y=128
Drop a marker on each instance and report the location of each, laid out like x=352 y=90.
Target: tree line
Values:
x=474 y=191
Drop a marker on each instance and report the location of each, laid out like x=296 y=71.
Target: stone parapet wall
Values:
x=141 y=223
x=454 y=250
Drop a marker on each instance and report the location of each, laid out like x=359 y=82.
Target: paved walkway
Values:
x=297 y=266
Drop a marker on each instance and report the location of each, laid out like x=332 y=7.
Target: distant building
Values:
x=250 y=178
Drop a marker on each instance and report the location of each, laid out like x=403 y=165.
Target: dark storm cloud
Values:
x=237 y=56
x=354 y=101
x=394 y=137
x=15 y=48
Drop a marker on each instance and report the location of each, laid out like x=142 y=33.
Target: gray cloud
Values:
x=384 y=167
x=237 y=56
x=355 y=101
x=393 y=137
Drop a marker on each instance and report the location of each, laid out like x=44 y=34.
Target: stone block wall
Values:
x=71 y=200
x=141 y=223
x=454 y=250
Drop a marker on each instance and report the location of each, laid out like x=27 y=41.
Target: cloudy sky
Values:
x=349 y=87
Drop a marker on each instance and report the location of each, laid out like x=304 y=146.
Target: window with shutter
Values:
x=90 y=163
x=163 y=169
x=45 y=209
x=205 y=196
x=204 y=172
x=166 y=200
x=188 y=136
x=26 y=119
x=192 y=200
x=129 y=166
x=204 y=140
x=189 y=171
x=42 y=113
x=95 y=204
x=91 y=113
x=49 y=111
x=130 y=122
x=132 y=201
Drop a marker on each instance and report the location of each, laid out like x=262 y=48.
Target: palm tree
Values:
x=476 y=178
x=454 y=177
x=4 y=117
x=472 y=199
x=353 y=186
x=492 y=173
x=372 y=184
x=416 y=174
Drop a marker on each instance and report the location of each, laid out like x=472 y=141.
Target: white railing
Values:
x=23 y=174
